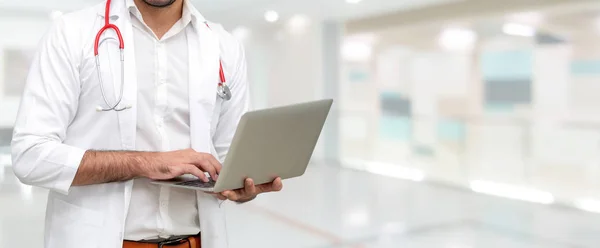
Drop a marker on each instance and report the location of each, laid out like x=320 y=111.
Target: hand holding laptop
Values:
x=250 y=191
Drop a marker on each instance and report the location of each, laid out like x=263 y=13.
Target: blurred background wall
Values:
x=498 y=97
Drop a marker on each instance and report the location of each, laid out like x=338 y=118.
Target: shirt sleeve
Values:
x=232 y=110
x=48 y=105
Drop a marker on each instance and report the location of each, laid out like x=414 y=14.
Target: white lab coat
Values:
x=58 y=121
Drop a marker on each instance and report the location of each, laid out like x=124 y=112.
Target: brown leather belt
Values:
x=184 y=242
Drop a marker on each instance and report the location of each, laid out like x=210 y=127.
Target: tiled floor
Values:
x=337 y=208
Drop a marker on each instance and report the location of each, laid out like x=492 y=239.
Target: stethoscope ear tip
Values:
x=99 y=109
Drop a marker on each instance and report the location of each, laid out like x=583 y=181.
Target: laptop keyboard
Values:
x=198 y=183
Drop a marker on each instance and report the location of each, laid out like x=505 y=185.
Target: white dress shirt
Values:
x=163 y=124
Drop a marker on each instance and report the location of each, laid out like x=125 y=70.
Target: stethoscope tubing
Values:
x=223 y=90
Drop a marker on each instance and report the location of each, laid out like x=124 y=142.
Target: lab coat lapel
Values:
x=127 y=118
x=204 y=50
x=203 y=80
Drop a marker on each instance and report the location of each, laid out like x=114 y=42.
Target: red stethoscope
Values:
x=223 y=90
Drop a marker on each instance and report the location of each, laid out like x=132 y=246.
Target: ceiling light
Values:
x=512 y=192
x=518 y=30
x=241 y=33
x=298 y=23
x=353 y=1
x=271 y=16
x=457 y=39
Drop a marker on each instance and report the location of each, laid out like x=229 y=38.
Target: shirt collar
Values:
x=186 y=15
x=189 y=13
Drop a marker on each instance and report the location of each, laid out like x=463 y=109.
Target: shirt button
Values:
x=163 y=204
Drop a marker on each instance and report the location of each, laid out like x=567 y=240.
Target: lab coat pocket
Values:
x=72 y=226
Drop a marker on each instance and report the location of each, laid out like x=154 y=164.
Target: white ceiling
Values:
x=241 y=11
x=252 y=10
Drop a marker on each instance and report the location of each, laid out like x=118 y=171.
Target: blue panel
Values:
x=389 y=95
x=508 y=91
x=585 y=67
x=395 y=128
x=499 y=107
x=425 y=151
x=394 y=104
x=358 y=76
x=451 y=130
x=507 y=65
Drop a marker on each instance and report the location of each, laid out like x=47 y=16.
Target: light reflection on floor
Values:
x=338 y=208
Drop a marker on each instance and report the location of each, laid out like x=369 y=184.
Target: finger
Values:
x=215 y=163
x=277 y=185
x=274 y=186
x=205 y=164
x=264 y=188
x=192 y=169
x=249 y=188
x=231 y=195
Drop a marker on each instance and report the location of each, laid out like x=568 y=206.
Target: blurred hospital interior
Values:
x=456 y=123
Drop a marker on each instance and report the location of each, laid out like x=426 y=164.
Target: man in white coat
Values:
x=97 y=164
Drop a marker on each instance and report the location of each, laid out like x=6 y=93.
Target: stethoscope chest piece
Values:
x=224 y=92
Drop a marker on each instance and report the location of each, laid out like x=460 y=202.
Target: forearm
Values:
x=111 y=166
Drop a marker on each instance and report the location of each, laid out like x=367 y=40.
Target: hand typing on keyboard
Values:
x=169 y=165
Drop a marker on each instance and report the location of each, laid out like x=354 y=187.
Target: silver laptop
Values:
x=269 y=143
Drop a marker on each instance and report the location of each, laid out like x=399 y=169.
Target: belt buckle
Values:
x=170 y=242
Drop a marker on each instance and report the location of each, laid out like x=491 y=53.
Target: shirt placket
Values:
x=160 y=114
